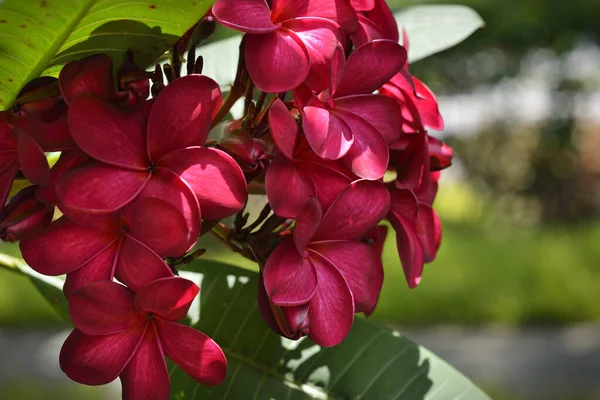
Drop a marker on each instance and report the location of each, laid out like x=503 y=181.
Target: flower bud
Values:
x=246 y=150
x=24 y=216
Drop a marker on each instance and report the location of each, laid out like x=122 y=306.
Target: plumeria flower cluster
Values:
x=334 y=132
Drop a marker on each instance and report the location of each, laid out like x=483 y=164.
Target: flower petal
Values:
x=98 y=360
x=99 y=188
x=114 y=135
x=289 y=279
x=284 y=129
x=99 y=268
x=440 y=154
x=288 y=187
x=251 y=16
x=137 y=265
x=182 y=115
x=362 y=5
x=329 y=136
x=159 y=225
x=216 y=179
x=370 y=66
x=277 y=61
x=369 y=155
x=338 y=11
x=90 y=75
x=32 y=159
x=361 y=266
x=103 y=308
x=64 y=247
x=8 y=173
x=146 y=376
x=380 y=111
x=168 y=298
x=356 y=210
x=432 y=232
x=403 y=216
x=328 y=182
x=331 y=309
x=307 y=223
x=197 y=354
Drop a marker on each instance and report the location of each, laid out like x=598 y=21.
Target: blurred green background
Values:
x=519 y=208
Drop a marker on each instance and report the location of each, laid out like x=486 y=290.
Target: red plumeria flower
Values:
x=376 y=21
x=129 y=245
x=124 y=334
x=325 y=273
x=24 y=216
x=153 y=153
x=349 y=122
x=289 y=43
x=297 y=174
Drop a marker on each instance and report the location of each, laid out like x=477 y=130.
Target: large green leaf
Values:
x=38 y=36
x=433 y=28
x=373 y=362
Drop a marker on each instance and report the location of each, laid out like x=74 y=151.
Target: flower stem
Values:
x=11 y=263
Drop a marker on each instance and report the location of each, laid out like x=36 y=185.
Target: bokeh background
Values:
x=513 y=299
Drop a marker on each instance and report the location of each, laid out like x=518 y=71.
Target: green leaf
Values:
x=38 y=36
x=373 y=362
x=433 y=28
x=49 y=286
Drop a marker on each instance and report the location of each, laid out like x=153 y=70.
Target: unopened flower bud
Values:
x=24 y=216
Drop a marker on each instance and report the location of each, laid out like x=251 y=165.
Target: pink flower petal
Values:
x=114 y=135
x=370 y=66
x=146 y=376
x=379 y=111
x=32 y=159
x=286 y=65
x=384 y=20
x=428 y=106
x=168 y=298
x=98 y=360
x=99 y=188
x=361 y=266
x=90 y=75
x=432 y=232
x=440 y=154
x=99 y=268
x=289 y=279
x=284 y=129
x=328 y=181
x=320 y=37
x=182 y=115
x=288 y=187
x=251 y=16
x=103 y=308
x=137 y=265
x=369 y=155
x=362 y=5
x=197 y=354
x=356 y=210
x=403 y=216
x=159 y=225
x=367 y=32
x=307 y=223
x=215 y=177
x=331 y=309
x=338 y=11
x=64 y=247
x=329 y=136
x=412 y=164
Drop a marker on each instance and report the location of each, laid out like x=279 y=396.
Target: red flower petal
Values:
x=146 y=376
x=331 y=309
x=197 y=354
x=103 y=308
x=216 y=179
x=307 y=223
x=329 y=182
x=277 y=61
x=338 y=11
x=168 y=298
x=159 y=225
x=288 y=187
x=32 y=159
x=369 y=155
x=362 y=5
x=137 y=265
x=90 y=75
x=252 y=16
x=384 y=20
x=370 y=66
x=101 y=222
x=356 y=210
x=99 y=268
x=64 y=247
x=182 y=115
x=108 y=133
x=360 y=264
x=403 y=216
x=432 y=232
x=379 y=111
x=440 y=154
x=289 y=279
x=284 y=129
x=98 y=360
x=328 y=135
x=8 y=173
x=99 y=188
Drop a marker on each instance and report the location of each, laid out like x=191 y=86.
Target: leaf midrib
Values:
x=49 y=54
